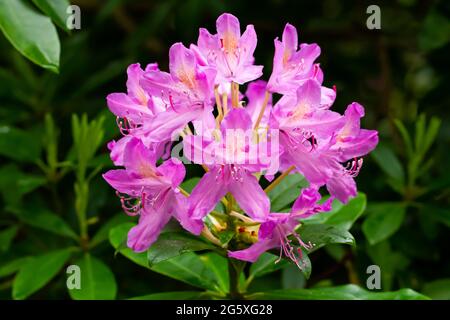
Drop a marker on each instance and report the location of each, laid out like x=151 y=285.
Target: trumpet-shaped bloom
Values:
x=186 y=92
x=150 y=192
x=136 y=105
x=229 y=52
x=291 y=65
x=276 y=230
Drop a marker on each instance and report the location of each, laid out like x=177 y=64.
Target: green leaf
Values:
x=286 y=192
x=55 y=9
x=405 y=136
x=177 y=295
x=435 y=31
x=219 y=266
x=383 y=220
x=31 y=33
x=438 y=289
x=38 y=271
x=97 y=280
x=320 y=235
x=439 y=214
x=12 y=266
x=291 y=278
x=6 y=237
x=305 y=264
x=172 y=244
x=103 y=233
x=18 y=144
x=420 y=132
x=389 y=261
x=14 y=184
x=266 y=264
x=341 y=215
x=44 y=219
x=431 y=134
x=389 y=163
x=189 y=267
x=346 y=292
x=118 y=237
x=189 y=184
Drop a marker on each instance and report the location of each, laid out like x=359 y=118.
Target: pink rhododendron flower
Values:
x=237 y=138
x=229 y=52
x=155 y=191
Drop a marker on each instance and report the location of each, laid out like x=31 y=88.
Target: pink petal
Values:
x=252 y=253
x=151 y=223
x=342 y=186
x=228 y=26
x=173 y=170
x=181 y=213
x=290 y=39
x=206 y=194
x=249 y=195
x=138 y=159
x=124 y=106
x=182 y=63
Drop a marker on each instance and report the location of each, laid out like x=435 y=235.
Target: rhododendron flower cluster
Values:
x=243 y=139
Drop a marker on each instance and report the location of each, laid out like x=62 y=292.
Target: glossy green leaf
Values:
x=346 y=292
x=291 y=278
x=14 y=183
x=97 y=280
x=31 y=33
x=189 y=267
x=438 y=289
x=46 y=220
x=189 y=184
x=388 y=162
x=37 y=272
x=118 y=237
x=103 y=233
x=341 y=215
x=219 y=266
x=18 y=144
x=55 y=9
x=11 y=267
x=266 y=264
x=177 y=295
x=320 y=235
x=286 y=192
x=383 y=220
x=172 y=244
x=6 y=237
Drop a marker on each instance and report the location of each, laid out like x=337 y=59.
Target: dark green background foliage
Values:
x=54 y=125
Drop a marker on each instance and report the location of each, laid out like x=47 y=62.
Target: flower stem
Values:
x=263 y=109
x=183 y=192
x=235 y=268
x=208 y=235
x=234 y=94
x=224 y=103
x=219 y=107
x=279 y=179
x=242 y=217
